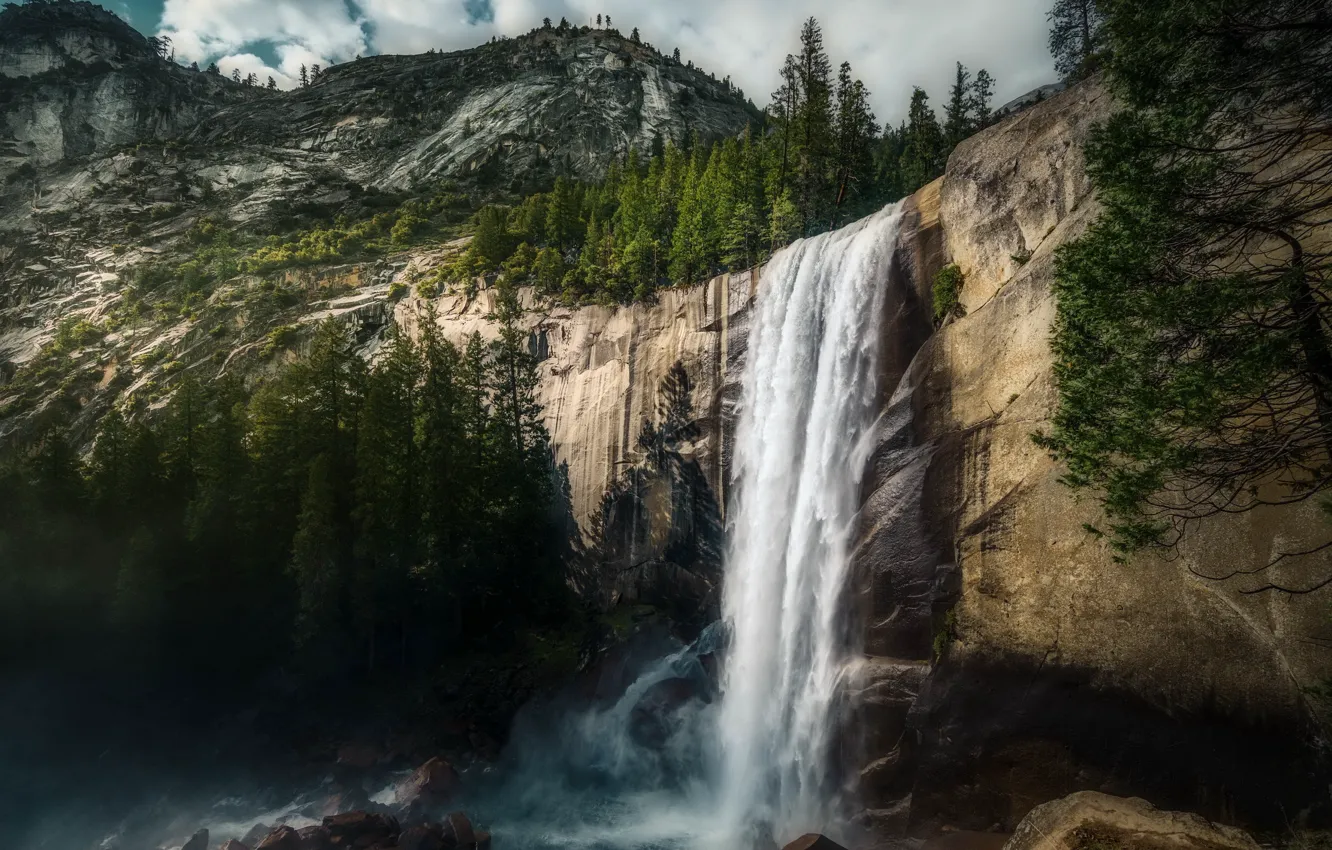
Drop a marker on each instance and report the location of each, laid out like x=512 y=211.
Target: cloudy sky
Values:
x=892 y=44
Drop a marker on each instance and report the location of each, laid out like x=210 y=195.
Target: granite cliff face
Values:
x=1009 y=660
x=1012 y=660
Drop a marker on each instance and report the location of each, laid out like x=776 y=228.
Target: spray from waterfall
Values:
x=808 y=399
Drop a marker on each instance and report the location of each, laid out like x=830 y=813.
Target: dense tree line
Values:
x=1192 y=341
x=340 y=511
x=677 y=214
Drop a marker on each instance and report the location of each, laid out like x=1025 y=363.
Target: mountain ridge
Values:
x=117 y=164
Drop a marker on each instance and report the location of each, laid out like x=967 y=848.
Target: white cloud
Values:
x=306 y=31
x=248 y=63
x=891 y=44
x=414 y=26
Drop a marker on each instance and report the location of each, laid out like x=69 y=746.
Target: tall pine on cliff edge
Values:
x=1192 y=340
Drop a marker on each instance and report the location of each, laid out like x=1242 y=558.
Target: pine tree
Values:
x=305 y=77
x=784 y=222
x=443 y=439
x=634 y=37
x=743 y=235
x=854 y=156
x=388 y=512
x=786 y=103
x=563 y=228
x=1193 y=357
x=272 y=84
x=814 y=127
x=676 y=55
x=958 y=120
x=491 y=242
x=315 y=556
x=982 y=91
x=922 y=155
x=1075 y=37
x=689 y=240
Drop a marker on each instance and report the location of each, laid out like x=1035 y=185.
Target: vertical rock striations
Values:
x=1052 y=668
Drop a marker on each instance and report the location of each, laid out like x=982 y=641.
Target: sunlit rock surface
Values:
x=1054 y=668
x=1088 y=819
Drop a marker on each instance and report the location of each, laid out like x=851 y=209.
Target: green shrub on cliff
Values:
x=946 y=290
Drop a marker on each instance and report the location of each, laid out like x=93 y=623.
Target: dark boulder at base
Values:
x=650 y=722
x=428 y=837
x=315 y=838
x=813 y=841
x=360 y=829
x=255 y=834
x=965 y=839
x=458 y=831
x=198 y=841
x=281 y=838
x=433 y=784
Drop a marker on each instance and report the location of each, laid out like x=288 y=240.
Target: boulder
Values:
x=458 y=831
x=1089 y=820
x=814 y=841
x=315 y=838
x=428 y=837
x=233 y=844
x=650 y=722
x=348 y=799
x=359 y=756
x=434 y=783
x=198 y=841
x=281 y=838
x=255 y=834
x=360 y=829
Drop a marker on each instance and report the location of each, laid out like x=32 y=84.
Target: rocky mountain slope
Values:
x=118 y=168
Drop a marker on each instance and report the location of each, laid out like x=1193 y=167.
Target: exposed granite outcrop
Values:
x=1055 y=668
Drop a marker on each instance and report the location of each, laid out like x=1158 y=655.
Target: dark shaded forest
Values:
x=340 y=515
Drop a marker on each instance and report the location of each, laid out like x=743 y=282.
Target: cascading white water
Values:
x=585 y=779
x=808 y=399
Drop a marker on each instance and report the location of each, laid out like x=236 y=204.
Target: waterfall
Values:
x=808 y=399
